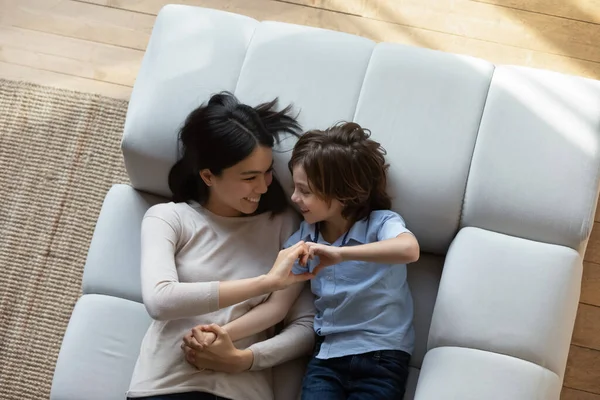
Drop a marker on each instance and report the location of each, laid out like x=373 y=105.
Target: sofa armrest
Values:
x=510 y=296
x=468 y=374
x=113 y=262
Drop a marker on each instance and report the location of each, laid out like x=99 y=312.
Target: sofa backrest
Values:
x=507 y=149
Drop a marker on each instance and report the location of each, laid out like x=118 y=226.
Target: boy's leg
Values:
x=323 y=380
x=379 y=375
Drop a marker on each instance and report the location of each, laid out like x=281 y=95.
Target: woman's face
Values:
x=238 y=189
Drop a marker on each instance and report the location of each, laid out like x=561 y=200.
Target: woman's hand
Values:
x=221 y=355
x=281 y=275
x=328 y=255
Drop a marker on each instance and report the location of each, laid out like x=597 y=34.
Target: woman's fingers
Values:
x=216 y=329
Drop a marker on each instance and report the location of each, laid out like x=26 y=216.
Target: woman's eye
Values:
x=250 y=179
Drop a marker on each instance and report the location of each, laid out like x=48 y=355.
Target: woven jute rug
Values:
x=59 y=155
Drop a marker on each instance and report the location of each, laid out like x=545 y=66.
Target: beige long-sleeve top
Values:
x=186 y=251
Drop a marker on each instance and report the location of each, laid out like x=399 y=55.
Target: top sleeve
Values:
x=165 y=298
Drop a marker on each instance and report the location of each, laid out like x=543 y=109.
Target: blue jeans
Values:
x=182 y=396
x=377 y=375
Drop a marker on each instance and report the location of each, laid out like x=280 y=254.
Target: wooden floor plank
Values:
x=79 y=20
x=378 y=31
x=581 y=10
x=582 y=370
x=480 y=20
x=573 y=394
x=590 y=286
x=69 y=56
x=48 y=78
x=587 y=327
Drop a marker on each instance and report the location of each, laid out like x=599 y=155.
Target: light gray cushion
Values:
x=192 y=54
x=424 y=106
x=453 y=373
x=508 y=295
x=535 y=168
x=113 y=262
x=99 y=349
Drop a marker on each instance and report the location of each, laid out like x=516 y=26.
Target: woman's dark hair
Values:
x=219 y=135
x=343 y=163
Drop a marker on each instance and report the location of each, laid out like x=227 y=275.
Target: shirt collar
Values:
x=358 y=232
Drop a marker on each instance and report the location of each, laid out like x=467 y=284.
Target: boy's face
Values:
x=313 y=208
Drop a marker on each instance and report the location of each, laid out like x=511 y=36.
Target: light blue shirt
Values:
x=361 y=306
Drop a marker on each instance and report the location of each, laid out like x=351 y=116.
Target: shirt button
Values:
x=329 y=278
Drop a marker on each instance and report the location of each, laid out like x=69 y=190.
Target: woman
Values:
x=206 y=256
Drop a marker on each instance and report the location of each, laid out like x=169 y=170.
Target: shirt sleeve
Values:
x=295 y=340
x=390 y=225
x=165 y=298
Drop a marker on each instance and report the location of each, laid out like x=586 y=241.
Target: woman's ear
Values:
x=207 y=176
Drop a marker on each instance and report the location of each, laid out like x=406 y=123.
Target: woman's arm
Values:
x=166 y=298
x=265 y=315
x=295 y=340
x=260 y=318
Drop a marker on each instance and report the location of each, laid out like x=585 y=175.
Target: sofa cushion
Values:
x=425 y=106
x=508 y=295
x=535 y=166
x=99 y=349
x=113 y=262
x=467 y=374
x=193 y=53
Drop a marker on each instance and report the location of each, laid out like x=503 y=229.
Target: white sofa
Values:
x=494 y=168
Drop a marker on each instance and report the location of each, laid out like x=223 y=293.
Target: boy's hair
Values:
x=343 y=163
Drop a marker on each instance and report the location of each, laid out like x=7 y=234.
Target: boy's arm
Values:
x=402 y=249
x=265 y=315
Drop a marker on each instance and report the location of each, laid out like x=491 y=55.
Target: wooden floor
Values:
x=97 y=46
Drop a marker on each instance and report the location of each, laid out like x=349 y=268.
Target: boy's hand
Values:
x=328 y=255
